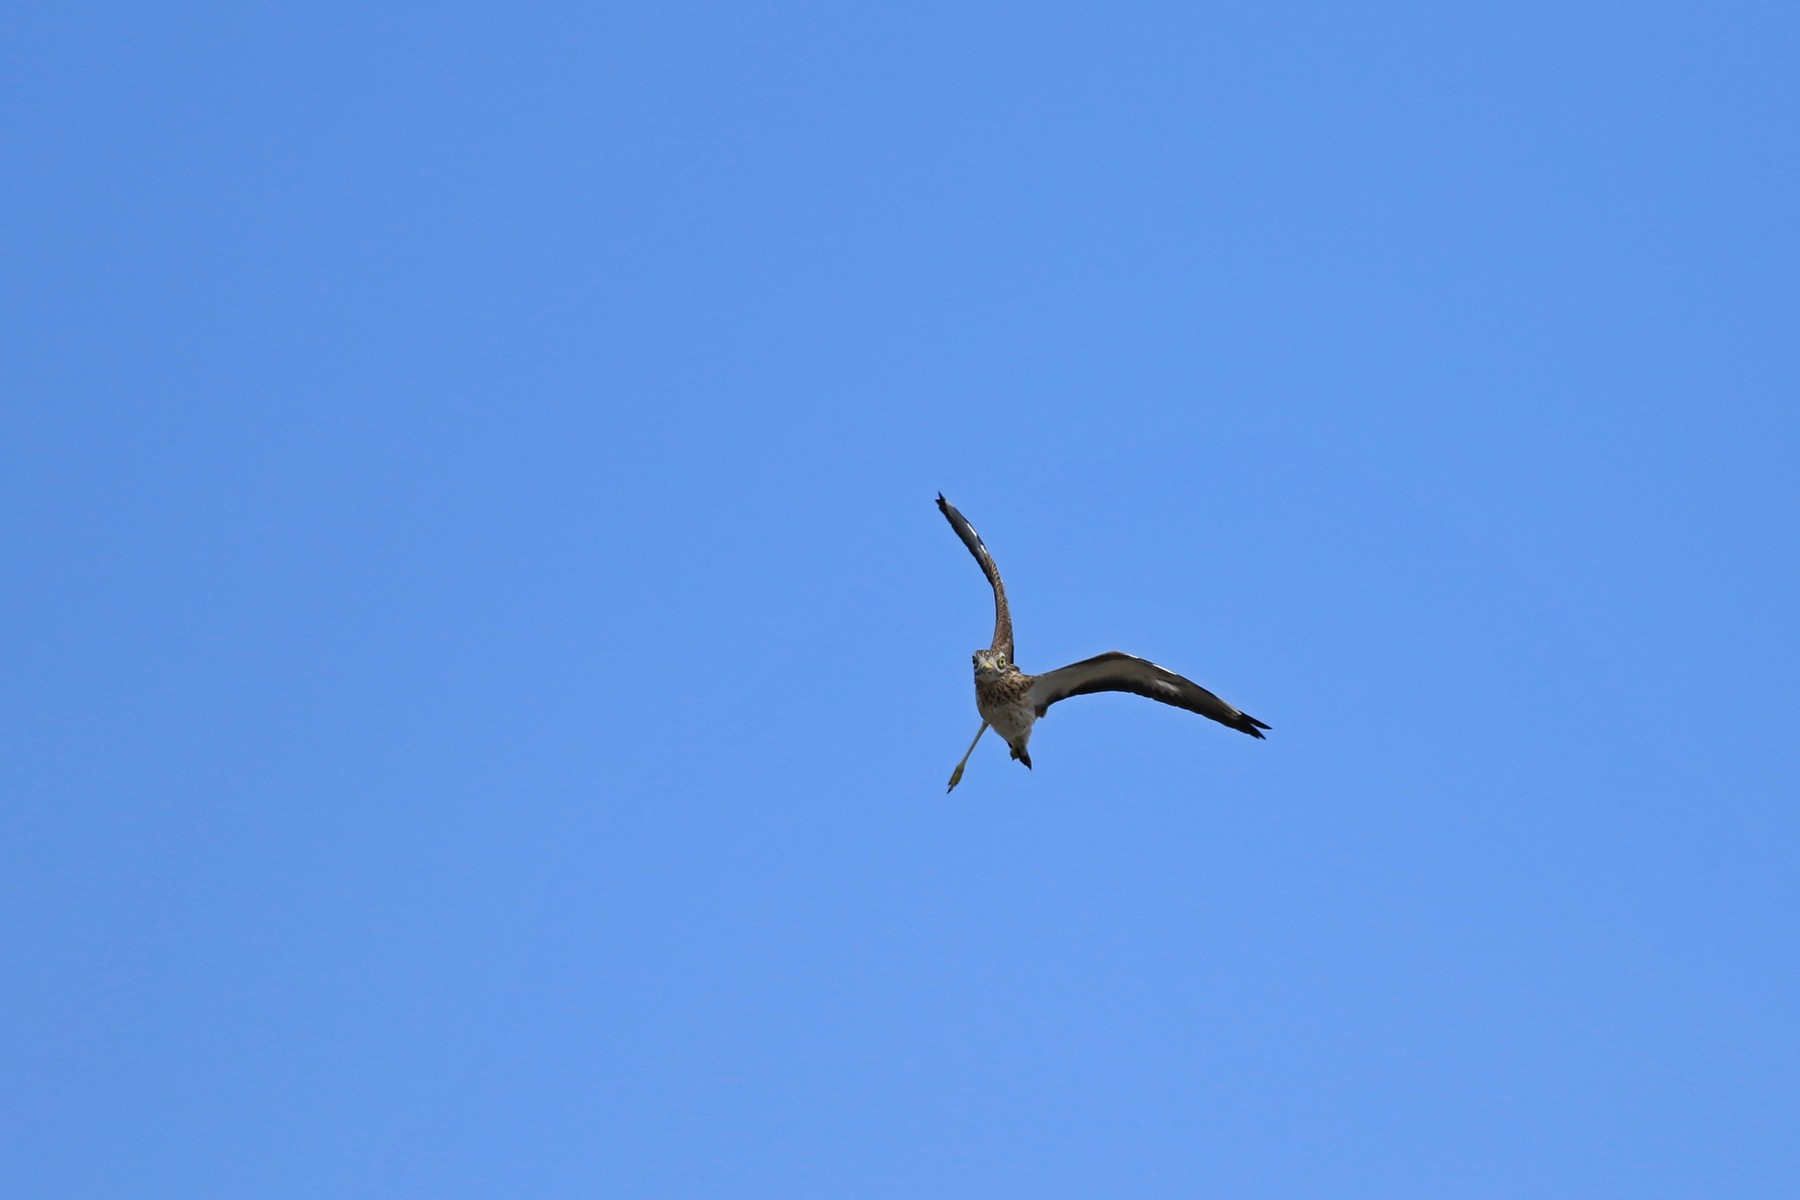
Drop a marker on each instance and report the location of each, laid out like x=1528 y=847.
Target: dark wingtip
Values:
x=1249 y=725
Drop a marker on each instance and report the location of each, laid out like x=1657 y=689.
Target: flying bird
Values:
x=1010 y=701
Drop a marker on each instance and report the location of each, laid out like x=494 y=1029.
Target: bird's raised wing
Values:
x=1116 y=671
x=1003 y=637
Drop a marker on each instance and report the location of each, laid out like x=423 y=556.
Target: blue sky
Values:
x=482 y=658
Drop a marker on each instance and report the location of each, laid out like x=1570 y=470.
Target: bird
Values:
x=1010 y=701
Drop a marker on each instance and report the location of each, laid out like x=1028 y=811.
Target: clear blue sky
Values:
x=481 y=659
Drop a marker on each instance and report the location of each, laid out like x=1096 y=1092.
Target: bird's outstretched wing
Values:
x=1116 y=671
x=1003 y=637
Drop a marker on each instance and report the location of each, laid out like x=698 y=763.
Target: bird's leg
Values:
x=956 y=775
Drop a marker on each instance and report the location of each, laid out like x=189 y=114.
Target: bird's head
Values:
x=990 y=664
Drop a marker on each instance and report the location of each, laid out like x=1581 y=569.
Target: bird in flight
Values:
x=1011 y=701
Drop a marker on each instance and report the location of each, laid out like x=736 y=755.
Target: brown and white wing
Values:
x=1003 y=636
x=1116 y=671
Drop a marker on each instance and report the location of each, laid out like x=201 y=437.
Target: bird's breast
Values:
x=1002 y=705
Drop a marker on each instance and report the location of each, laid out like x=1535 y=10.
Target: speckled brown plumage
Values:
x=1002 y=696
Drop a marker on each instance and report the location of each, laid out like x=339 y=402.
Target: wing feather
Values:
x=1003 y=633
x=1116 y=671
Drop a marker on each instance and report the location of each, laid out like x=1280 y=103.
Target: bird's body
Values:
x=1002 y=696
x=1011 y=700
